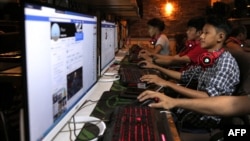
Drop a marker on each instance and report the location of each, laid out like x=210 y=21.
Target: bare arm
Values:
x=171 y=73
x=173 y=60
x=177 y=88
x=219 y=105
x=155 y=50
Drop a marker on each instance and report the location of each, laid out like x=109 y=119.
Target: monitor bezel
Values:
x=112 y=61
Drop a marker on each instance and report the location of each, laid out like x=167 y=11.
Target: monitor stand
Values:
x=109 y=78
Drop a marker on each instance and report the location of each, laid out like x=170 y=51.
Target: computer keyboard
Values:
x=133 y=58
x=131 y=76
x=137 y=123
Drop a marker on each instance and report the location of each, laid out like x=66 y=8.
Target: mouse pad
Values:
x=104 y=107
x=89 y=132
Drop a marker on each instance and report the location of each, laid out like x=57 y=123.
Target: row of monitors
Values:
x=61 y=65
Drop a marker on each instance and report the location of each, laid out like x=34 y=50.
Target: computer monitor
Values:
x=107 y=45
x=116 y=38
x=60 y=67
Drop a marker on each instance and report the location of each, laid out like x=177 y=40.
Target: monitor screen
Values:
x=116 y=38
x=60 y=66
x=107 y=45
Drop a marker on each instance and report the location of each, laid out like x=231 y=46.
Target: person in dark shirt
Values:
x=238 y=38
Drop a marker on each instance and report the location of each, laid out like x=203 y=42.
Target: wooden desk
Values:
x=173 y=129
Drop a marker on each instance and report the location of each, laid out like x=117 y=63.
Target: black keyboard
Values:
x=137 y=123
x=133 y=58
x=131 y=76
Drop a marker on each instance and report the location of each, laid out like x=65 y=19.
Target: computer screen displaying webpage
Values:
x=107 y=44
x=61 y=64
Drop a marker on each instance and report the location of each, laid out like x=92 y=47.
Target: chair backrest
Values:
x=243 y=60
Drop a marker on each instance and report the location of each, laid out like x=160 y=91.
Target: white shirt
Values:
x=164 y=42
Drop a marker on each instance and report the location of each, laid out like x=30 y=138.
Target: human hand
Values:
x=144 y=54
x=146 y=64
x=164 y=101
x=151 y=78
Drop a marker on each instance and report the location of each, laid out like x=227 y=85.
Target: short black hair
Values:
x=220 y=23
x=196 y=22
x=156 y=22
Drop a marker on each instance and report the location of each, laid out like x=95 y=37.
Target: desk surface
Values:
x=95 y=95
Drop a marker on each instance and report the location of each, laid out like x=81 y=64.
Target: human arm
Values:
x=177 y=88
x=151 y=50
x=170 y=73
x=219 y=105
x=172 y=60
x=161 y=46
x=163 y=59
x=186 y=56
x=190 y=54
x=145 y=54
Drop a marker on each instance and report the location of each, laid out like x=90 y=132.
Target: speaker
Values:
x=207 y=59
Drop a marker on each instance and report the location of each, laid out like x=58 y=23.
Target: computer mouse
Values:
x=142 y=64
x=148 y=101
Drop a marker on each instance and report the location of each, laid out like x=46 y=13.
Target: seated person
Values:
x=238 y=38
x=159 y=40
x=190 y=53
x=214 y=106
x=217 y=73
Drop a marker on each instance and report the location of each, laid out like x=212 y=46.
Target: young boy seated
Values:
x=188 y=55
x=217 y=73
x=158 y=40
x=238 y=38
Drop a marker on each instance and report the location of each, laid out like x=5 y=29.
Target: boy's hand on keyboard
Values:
x=146 y=64
x=164 y=101
x=145 y=55
x=154 y=79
